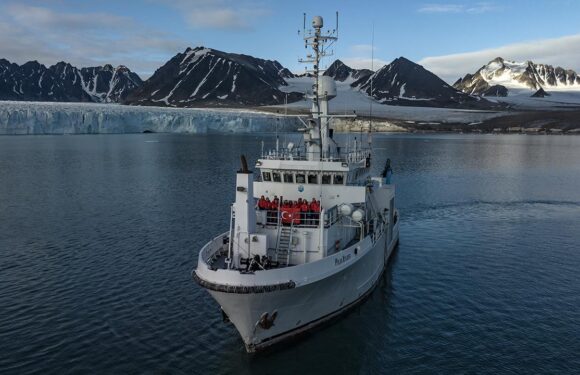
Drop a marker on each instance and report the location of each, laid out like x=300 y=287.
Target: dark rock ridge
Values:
x=540 y=94
x=63 y=82
x=403 y=82
x=496 y=90
x=341 y=72
x=208 y=77
x=531 y=75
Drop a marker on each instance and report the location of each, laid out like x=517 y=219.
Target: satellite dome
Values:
x=317 y=22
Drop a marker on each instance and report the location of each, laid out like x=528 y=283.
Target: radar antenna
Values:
x=324 y=88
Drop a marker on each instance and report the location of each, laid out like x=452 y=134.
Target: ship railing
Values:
x=301 y=154
x=216 y=248
x=331 y=216
x=275 y=218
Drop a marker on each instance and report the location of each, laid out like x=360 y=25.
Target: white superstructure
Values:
x=282 y=269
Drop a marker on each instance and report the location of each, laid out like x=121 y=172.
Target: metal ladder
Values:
x=229 y=259
x=283 y=245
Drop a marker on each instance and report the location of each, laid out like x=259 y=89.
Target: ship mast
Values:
x=317 y=139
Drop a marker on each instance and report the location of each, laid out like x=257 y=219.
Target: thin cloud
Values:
x=83 y=39
x=40 y=17
x=563 y=51
x=362 y=49
x=218 y=14
x=476 y=8
x=216 y=19
x=364 y=63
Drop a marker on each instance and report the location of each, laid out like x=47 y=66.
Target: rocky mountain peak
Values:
x=404 y=82
x=342 y=72
x=202 y=76
x=517 y=76
x=64 y=83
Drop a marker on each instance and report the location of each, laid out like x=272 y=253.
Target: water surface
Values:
x=99 y=234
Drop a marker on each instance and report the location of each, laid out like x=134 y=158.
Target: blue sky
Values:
x=450 y=38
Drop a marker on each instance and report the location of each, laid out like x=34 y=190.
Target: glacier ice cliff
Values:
x=90 y=118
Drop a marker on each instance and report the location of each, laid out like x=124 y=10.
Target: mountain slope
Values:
x=208 y=77
x=402 y=82
x=517 y=76
x=63 y=82
x=341 y=72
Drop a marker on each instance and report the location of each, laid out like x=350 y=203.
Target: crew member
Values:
x=304 y=212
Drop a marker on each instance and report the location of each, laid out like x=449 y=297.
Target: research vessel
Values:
x=310 y=231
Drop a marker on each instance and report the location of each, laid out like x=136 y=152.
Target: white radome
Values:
x=346 y=209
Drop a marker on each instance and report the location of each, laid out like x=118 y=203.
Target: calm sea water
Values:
x=99 y=234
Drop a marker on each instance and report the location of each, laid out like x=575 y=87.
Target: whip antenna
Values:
x=369 y=138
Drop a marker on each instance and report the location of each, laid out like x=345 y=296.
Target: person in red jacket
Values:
x=261 y=205
x=271 y=207
x=315 y=211
x=304 y=212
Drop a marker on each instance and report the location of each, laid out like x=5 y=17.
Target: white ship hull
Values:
x=308 y=304
x=310 y=235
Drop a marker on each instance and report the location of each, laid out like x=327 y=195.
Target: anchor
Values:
x=266 y=321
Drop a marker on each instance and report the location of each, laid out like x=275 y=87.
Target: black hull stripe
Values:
x=243 y=289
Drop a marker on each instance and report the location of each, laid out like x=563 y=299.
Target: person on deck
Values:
x=262 y=208
x=315 y=211
x=304 y=211
x=262 y=203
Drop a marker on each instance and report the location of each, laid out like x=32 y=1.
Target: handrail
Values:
x=274 y=218
x=290 y=242
x=298 y=154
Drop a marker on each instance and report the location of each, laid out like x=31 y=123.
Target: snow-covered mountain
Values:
x=403 y=82
x=500 y=76
x=208 y=77
x=342 y=72
x=63 y=82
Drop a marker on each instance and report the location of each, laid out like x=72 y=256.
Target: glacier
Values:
x=93 y=118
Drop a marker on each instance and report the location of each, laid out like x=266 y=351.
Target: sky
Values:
x=450 y=38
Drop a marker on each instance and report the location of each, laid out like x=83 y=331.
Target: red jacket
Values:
x=314 y=207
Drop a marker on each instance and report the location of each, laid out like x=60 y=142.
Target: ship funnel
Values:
x=244 y=168
x=244 y=204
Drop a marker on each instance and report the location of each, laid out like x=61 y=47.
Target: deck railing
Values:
x=303 y=220
x=301 y=154
x=285 y=218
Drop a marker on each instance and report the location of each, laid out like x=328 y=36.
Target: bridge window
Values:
x=276 y=177
x=300 y=178
x=326 y=179
x=338 y=179
x=312 y=179
x=266 y=176
x=289 y=177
